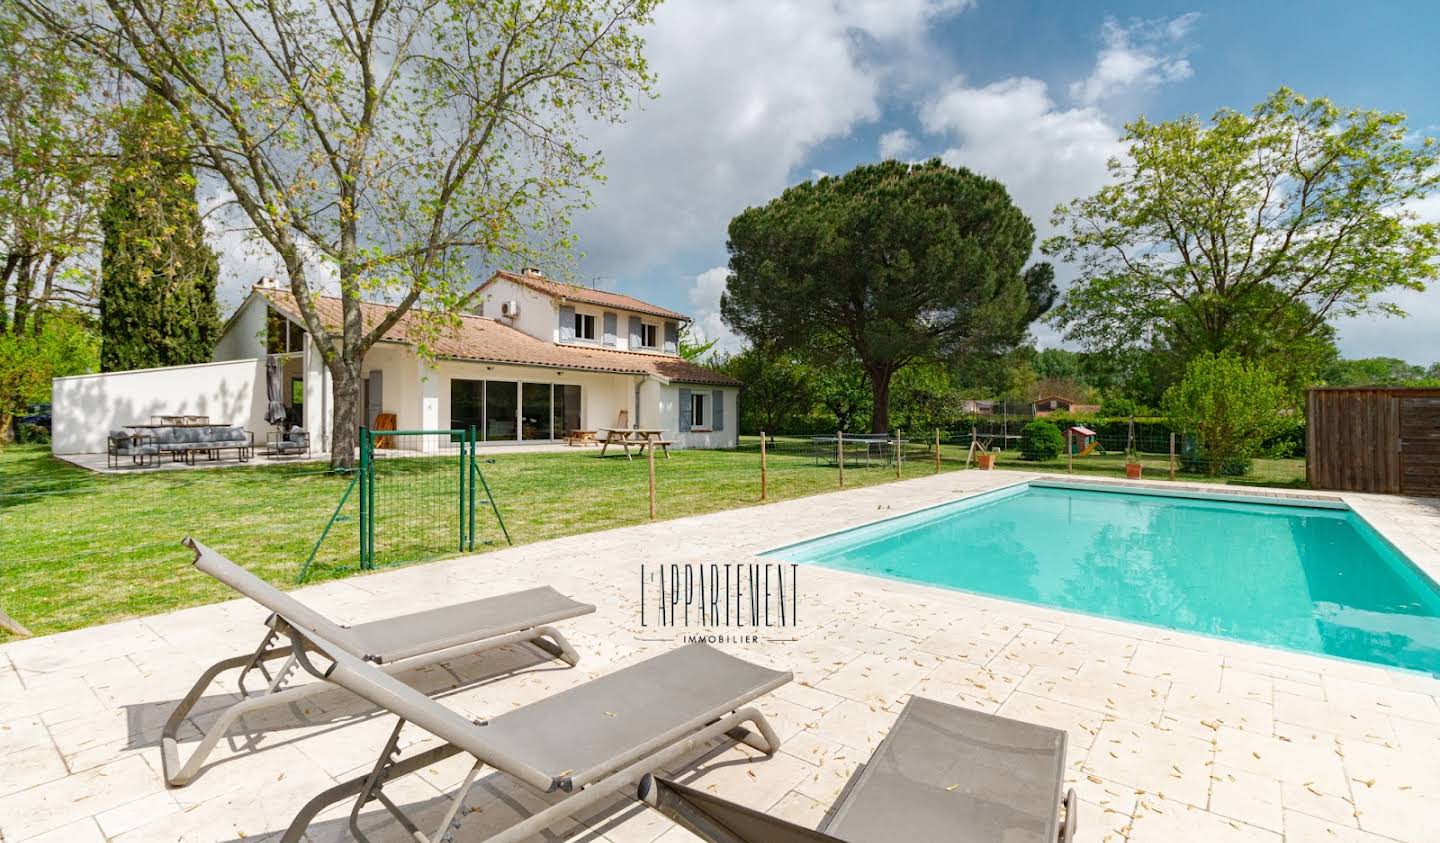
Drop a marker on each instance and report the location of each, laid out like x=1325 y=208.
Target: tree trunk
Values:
x=880 y=392
x=345 y=418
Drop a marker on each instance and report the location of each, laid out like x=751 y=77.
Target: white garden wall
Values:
x=87 y=407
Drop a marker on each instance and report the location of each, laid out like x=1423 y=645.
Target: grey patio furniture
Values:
x=395 y=644
x=139 y=447
x=183 y=442
x=942 y=773
x=592 y=742
x=294 y=442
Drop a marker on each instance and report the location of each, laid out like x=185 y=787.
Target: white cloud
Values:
x=704 y=299
x=748 y=90
x=1013 y=131
x=1138 y=56
x=896 y=144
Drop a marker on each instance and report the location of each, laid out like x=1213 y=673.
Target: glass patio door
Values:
x=502 y=408
x=535 y=411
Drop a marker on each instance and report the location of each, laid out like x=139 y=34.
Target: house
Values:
x=535 y=359
x=976 y=407
x=1042 y=407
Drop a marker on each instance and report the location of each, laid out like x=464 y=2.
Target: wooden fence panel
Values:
x=1357 y=440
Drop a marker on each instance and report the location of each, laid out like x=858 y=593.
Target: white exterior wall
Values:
x=88 y=407
x=670 y=418
x=539 y=314
x=319 y=398
x=246 y=338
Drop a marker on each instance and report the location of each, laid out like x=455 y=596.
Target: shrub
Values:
x=1041 y=440
x=1231 y=406
x=1117 y=407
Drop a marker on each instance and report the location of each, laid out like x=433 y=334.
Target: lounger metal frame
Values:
x=590 y=787
x=179 y=773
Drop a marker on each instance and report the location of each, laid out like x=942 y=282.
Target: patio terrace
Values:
x=1173 y=737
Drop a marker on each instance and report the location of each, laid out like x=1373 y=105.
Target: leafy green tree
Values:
x=924 y=398
x=385 y=146
x=1059 y=363
x=892 y=264
x=1117 y=408
x=1378 y=371
x=842 y=389
x=1230 y=405
x=157 y=275
x=692 y=349
x=66 y=344
x=1041 y=440
x=53 y=164
x=1248 y=233
x=776 y=389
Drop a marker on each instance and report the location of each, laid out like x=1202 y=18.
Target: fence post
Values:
x=970 y=454
x=762 y=465
x=1070 y=450
x=470 y=472
x=840 y=454
x=898 y=445
x=937 y=450
x=367 y=501
x=650 y=452
x=1172 y=455
x=464 y=443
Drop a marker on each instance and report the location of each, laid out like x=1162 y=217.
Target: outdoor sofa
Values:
x=391 y=645
x=184 y=442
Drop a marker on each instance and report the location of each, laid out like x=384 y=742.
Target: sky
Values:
x=757 y=95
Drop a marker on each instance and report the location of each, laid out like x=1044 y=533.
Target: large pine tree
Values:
x=157 y=275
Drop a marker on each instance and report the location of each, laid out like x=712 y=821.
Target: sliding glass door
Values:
x=501 y=410
x=535 y=411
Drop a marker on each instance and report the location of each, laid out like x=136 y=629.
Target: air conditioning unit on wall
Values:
x=510 y=309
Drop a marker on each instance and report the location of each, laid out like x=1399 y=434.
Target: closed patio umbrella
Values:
x=275 y=412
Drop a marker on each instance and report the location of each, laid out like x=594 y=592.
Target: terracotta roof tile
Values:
x=484 y=339
x=573 y=292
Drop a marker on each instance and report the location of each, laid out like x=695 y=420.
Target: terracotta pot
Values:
x=1132 y=470
x=986 y=462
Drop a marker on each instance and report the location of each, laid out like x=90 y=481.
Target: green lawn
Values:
x=77 y=548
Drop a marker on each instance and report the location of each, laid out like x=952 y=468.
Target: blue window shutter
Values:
x=635 y=341
x=717 y=410
x=567 y=324
x=610 y=329
x=685 y=411
x=672 y=337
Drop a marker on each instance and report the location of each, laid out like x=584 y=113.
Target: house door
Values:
x=372 y=399
x=1420 y=446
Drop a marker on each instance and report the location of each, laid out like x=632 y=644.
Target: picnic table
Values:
x=634 y=437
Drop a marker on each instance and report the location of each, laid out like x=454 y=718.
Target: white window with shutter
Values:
x=585 y=326
x=649 y=336
x=698 y=405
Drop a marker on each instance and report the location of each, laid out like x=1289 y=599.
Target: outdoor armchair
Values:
x=292 y=443
x=391 y=645
x=139 y=447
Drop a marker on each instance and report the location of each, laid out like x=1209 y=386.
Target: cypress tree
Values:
x=157 y=275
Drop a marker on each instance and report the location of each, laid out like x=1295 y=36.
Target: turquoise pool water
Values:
x=1309 y=579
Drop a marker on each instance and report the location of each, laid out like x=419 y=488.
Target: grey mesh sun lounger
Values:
x=393 y=644
x=592 y=742
x=942 y=773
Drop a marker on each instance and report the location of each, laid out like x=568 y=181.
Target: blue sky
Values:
x=756 y=96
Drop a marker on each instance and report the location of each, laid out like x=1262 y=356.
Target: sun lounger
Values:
x=592 y=742
x=393 y=644
x=942 y=773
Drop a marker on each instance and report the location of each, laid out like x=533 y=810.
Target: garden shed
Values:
x=1373 y=439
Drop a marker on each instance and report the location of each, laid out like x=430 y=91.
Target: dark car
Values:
x=37 y=414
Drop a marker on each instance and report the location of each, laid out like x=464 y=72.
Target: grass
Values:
x=78 y=548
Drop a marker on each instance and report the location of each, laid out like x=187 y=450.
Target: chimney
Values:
x=533 y=272
x=267 y=282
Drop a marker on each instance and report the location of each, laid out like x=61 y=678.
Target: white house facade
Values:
x=535 y=360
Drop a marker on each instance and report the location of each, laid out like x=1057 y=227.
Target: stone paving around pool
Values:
x=1172 y=737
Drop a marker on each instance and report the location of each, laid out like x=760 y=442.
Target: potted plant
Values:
x=986 y=459
x=1132 y=464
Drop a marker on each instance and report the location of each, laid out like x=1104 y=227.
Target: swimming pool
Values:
x=1307 y=578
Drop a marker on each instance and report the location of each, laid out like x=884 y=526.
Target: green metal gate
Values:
x=417 y=493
